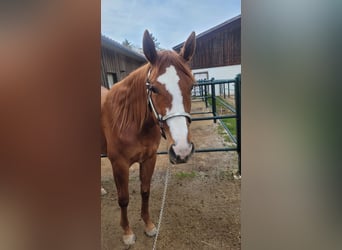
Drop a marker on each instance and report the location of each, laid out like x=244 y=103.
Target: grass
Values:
x=184 y=175
x=231 y=125
x=222 y=132
x=229 y=122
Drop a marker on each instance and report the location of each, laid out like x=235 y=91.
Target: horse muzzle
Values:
x=179 y=154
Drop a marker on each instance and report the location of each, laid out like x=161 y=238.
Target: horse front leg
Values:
x=121 y=177
x=146 y=171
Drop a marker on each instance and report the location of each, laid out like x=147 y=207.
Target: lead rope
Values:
x=162 y=206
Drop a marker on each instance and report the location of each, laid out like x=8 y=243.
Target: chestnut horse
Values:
x=152 y=101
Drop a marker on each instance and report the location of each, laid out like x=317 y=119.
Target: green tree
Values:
x=155 y=40
x=127 y=43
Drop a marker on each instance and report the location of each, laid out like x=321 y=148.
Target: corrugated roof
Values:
x=111 y=44
x=211 y=30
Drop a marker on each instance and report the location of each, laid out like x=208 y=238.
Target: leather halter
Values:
x=160 y=118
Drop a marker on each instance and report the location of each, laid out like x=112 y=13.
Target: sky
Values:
x=170 y=21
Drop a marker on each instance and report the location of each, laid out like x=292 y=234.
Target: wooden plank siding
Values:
x=118 y=60
x=219 y=46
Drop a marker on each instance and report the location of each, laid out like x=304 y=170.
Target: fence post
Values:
x=201 y=91
x=224 y=90
x=237 y=90
x=206 y=95
x=213 y=100
x=228 y=90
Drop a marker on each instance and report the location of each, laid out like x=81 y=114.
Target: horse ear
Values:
x=189 y=47
x=149 y=48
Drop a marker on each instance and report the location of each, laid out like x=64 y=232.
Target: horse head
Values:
x=169 y=85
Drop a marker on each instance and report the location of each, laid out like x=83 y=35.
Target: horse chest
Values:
x=136 y=147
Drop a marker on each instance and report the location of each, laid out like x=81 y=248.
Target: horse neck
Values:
x=129 y=101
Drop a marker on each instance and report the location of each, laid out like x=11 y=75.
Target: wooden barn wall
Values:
x=114 y=62
x=222 y=47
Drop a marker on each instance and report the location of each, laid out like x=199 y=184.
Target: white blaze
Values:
x=178 y=126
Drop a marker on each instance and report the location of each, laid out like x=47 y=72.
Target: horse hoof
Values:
x=152 y=232
x=129 y=239
x=103 y=191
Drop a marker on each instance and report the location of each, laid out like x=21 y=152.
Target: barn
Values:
x=117 y=61
x=218 y=51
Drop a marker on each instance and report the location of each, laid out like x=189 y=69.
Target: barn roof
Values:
x=179 y=46
x=113 y=45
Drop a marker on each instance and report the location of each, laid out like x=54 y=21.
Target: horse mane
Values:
x=129 y=100
x=129 y=96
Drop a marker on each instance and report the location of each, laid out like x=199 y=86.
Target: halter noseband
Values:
x=162 y=119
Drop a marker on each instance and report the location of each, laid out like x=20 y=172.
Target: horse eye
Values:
x=154 y=89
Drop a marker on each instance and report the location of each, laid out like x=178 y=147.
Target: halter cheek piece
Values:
x=160 y=118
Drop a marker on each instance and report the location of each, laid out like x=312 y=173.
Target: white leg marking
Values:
x=103 y=191
x=129 y=239
x=151 y=232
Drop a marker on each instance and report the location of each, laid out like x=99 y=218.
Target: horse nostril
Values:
x=172 y=153
x=182 y=156
x=192 y=148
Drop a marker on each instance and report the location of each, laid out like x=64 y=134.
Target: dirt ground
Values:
x=202 y=209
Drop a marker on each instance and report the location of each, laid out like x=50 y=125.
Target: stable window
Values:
x=201 y=75
x=198 y=91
